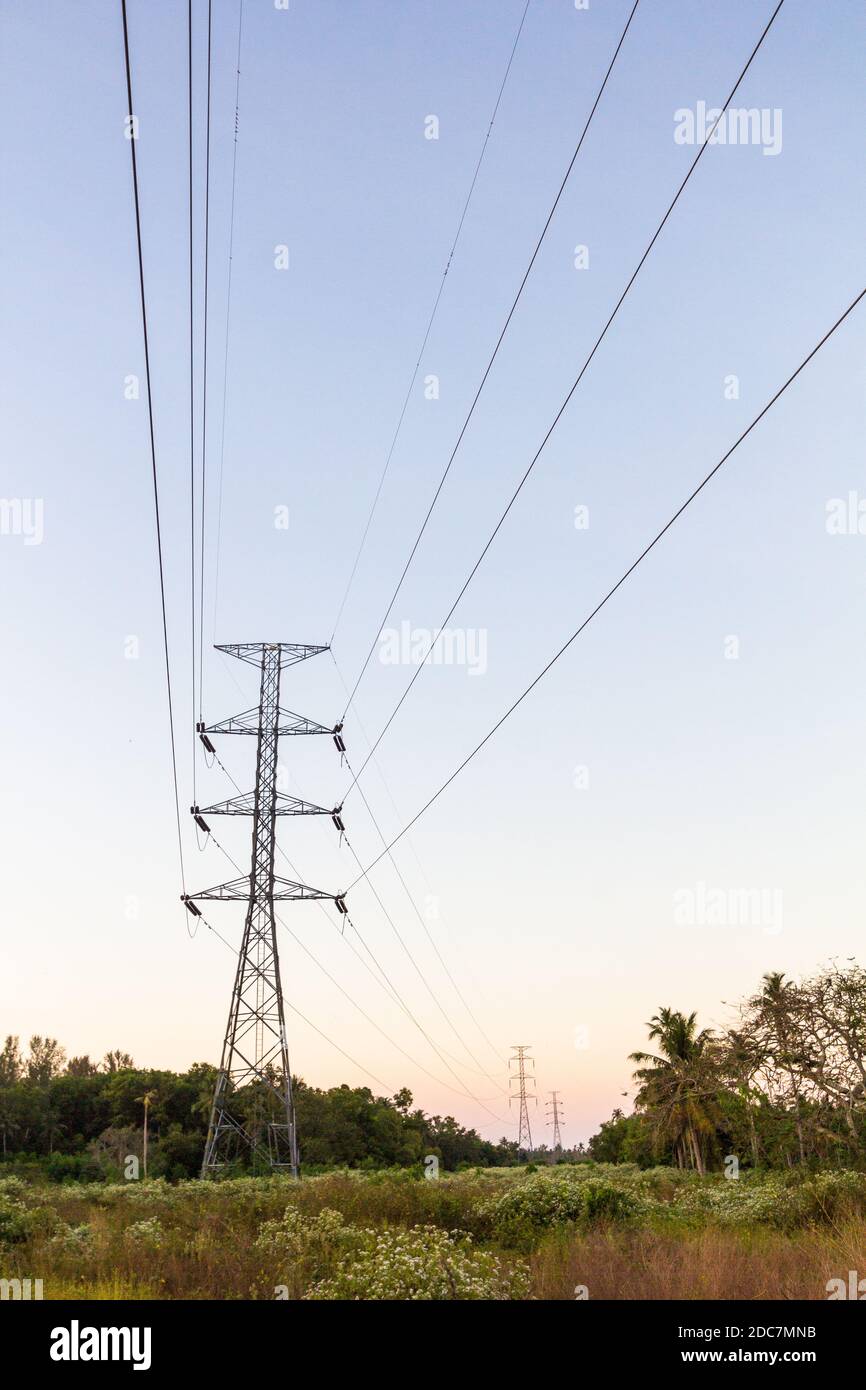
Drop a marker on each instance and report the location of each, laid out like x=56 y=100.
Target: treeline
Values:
x=80 y=1119
x=784 y=1086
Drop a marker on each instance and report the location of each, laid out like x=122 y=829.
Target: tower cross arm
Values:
x=238 y=890
x=290 y=652
x=245 y=805
x=248 y=723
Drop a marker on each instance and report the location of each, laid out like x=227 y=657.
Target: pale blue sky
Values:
x=556 y=903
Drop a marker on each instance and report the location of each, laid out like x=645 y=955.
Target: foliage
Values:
x=557 y=1197
x=83 y=1122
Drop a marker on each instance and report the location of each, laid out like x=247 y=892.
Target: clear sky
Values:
x=661 y=769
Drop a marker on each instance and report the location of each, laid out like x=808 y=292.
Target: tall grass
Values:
x=617 y=1232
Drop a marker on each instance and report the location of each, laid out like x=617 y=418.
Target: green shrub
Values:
x=558 y=1198
x=72 y=1168
x=13 y=1221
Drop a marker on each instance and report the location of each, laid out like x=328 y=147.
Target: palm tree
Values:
x=145 y=1101
x=677 y=1088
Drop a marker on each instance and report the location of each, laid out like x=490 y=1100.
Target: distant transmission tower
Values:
x=253 y=1110
x=554 y=1110
x=524 y=1134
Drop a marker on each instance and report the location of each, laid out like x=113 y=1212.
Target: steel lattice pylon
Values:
x=554 y=1110
x=253 y=1109
x=524 y=1134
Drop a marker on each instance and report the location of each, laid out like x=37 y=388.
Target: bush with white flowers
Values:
x=421 y=1264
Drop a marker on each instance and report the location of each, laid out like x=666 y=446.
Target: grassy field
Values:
x=594 y=1231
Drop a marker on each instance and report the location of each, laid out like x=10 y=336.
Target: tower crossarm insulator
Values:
x=245 y=805
x=248 y=723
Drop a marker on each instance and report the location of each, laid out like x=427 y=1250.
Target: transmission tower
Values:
x=554 y=1111
x=253 y=1110
x=524 y=1134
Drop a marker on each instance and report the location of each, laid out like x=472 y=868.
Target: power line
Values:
x=399 y=815
x=363 y=1012
x=561 y=411
x=191 y=401
x=430 y=321
x=427 y=931
x=204 y=369
x=410 y=896
x=228 y=317
x=610 y=593
x=492 y=359
x=295 y=1010
x=398 y=998
x=132 y=135
x=389 y=919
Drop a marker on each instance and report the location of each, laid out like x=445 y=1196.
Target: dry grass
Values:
x=639 y=1264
